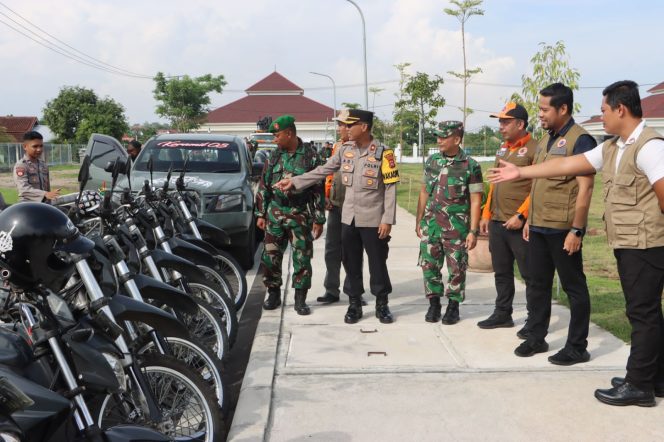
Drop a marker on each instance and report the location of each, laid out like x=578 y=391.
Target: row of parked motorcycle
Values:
x=117 y=310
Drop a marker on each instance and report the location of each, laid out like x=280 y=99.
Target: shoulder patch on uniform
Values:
x=388 y=168
x=20 y=171
x=562 y=142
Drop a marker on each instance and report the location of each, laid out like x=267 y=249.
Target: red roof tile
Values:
x=652 y=105
x=657 y=88
x=17 y=126
x=274 y=82
x=254 y=107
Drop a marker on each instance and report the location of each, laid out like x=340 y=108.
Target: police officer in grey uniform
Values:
x=369 y=175
x=31 y=172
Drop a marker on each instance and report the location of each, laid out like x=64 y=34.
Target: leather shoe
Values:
x=524 y=333
x=568 y=356
x=529 y=348
x=659 y=385
x=497 y=320
x=327 y=298
x=451 y=315
x=273 y=298
x=626 y=394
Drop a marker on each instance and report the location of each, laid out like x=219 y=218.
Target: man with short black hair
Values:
x=133 y=149
x=632 y=164
x=505 y=214
x=31 y=173
x=556 y=225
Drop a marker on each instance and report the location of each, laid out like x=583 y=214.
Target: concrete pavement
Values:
x=316 y=378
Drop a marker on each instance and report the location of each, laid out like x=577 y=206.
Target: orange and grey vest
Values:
x=553 y=200
x=633 y=217
x=507 y=197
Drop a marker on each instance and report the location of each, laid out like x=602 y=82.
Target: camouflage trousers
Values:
x=280 y=229
x=434 y=251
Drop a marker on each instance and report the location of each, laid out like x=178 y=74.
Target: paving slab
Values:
x=316 y=378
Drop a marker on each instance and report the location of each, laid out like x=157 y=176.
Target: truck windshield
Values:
x=202 y=155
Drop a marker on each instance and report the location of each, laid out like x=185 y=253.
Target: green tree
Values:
x=183 y=100
x=142 y=132
x=421 y=94
x=105 y=117
x=345 y=105
x=4 y=136
x=64 y=113
x=464 y=10
x=550 y=65
x=375 y=91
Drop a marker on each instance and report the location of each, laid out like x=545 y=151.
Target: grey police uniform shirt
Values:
x=368 y=200
x=31 y=178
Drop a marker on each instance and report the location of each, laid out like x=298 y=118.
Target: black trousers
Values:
x=355 y=240
x=546 y=255
x=642 y=280
x=333 y=251
x=506 y=246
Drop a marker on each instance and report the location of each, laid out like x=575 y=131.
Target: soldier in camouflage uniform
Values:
x=448 y=216
x=298 y=216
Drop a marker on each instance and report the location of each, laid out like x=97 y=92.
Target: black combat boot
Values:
x=383 y=311
x=452 y=313
x=354 y=312
x=433 y=314
x=300 y=306
x=273 y=298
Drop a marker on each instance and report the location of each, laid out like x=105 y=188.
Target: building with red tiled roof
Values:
x=18 y=126
x=272 y=96
x=653 y=113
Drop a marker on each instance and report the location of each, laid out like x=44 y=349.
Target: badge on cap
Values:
x=562 y=142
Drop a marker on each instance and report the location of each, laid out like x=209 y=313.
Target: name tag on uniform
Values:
x=558 y=151
x=501 y=152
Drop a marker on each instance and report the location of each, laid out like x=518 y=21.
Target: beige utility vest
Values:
x=553 y=200
x=507 y=197
x=633 y=218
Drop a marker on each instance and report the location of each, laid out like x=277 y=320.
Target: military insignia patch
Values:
x=562 y=142
x=20 y=171
x=372 y=159
x=345 y=179
x=349 y=155
x=521 y=152
x=346 y=167
x=369 y=182
x=372 y=148
x=276 y=126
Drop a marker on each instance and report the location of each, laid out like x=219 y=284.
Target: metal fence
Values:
x=54 y=154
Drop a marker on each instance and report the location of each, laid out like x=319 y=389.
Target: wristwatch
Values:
x=579 y=232
x=520 y=216
x=475 y=232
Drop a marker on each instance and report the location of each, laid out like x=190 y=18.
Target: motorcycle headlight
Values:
x=228 y=203
x=118 y=369
x=60 y=308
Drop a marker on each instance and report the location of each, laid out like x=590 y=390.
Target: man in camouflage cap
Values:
x=298 y=216
x=448 y=217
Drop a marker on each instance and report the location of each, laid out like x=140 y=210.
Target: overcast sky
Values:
x=607 y=40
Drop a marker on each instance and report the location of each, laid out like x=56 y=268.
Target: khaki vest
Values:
x=507 y=197
x=553 y=200
x=633 y=218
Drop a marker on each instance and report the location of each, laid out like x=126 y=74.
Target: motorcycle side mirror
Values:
x=83 y=175
x=110 y=166
x=168 y=177
x=150 y=168
x=127 y=172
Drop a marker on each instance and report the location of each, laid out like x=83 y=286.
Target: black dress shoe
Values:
x=568 y=356
x=626 y=394
x=524 y=333
x=327 y=298
x=529 y=348
x=497 y=320
x=659 y=386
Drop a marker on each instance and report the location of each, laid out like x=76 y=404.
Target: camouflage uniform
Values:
x=446 y=221
x=289 y=215
x=32 y=179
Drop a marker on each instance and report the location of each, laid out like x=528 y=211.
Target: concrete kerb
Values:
x=252 y=413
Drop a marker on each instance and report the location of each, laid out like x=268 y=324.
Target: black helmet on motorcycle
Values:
x=33 y=237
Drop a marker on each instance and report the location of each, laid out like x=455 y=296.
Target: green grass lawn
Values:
x=606 y=296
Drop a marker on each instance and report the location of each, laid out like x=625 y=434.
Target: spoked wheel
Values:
x=200 y=359
x=206 y=293
x=207 y=327
x=234 y=274
x=186 y=402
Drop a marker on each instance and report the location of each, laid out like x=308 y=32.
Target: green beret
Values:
x=448 y=128
x=282 y=123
